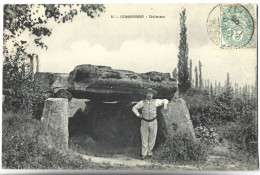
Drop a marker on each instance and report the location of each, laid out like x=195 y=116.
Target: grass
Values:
x=22 y=149
x=181 y=149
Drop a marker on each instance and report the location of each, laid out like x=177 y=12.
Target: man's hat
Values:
x=151 y=90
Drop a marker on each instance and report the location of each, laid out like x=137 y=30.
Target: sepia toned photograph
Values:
x=158 y=87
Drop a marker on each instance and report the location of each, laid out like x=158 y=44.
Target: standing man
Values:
x=149 y=124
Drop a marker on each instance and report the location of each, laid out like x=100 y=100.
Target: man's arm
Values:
x=139 y=105
x=160 y=102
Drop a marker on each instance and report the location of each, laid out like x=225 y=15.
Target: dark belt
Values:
x=149 y=120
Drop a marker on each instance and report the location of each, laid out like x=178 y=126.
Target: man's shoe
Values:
x=151 y=155
x=143 y=157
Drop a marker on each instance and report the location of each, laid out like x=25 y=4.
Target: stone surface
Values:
x=76 y=105
x=60 y=82
x=104 y=83
x=51 y=81
x=55 y=120
x=62 y=93
x=176 y=119
x=116 y=123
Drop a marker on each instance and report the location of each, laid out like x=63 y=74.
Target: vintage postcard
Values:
x=130 y=87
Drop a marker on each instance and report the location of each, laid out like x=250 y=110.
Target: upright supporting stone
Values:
x=55 y=119
x=177 y=119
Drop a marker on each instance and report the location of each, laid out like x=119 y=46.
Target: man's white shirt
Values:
x=140 y=104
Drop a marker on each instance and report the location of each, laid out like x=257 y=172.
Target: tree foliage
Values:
x=211 y=89
x=181 y=149
x=183 y=71
x=174 y=74
x=30 y=21
x=196 y=77
x=190 y=72
x=200 y=75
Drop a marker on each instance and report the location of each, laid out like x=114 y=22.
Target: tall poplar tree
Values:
x=236 y=90
x=196 y=77
x=215 y=90
x=228 y=89
x=174 y=74
x=211 y=89
x=240 y=92
x=219 y=88
x=248 y=92
x=191 y=82
x=183 y=71
x=200 y=75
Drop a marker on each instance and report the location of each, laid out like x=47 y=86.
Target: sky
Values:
x=143 y=45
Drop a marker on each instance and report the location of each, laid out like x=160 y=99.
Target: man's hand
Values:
x=174 y=99
x=165 y=107
x=140 y=116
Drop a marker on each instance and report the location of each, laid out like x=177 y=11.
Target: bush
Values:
x=30 y=101
x=226 y=108
x=181 y=148
x=235 y=116
x=243 y=135
x=21 y=148
x=207 y=135
x=20 y=137
x=199 y=103
x=21 y=91
x=210 y=110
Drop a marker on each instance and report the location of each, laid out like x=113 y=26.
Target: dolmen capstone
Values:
x=102 y=83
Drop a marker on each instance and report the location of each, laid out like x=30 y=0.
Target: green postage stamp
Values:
x=237 y=26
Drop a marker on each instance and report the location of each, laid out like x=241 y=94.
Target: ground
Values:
x=222 y=156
